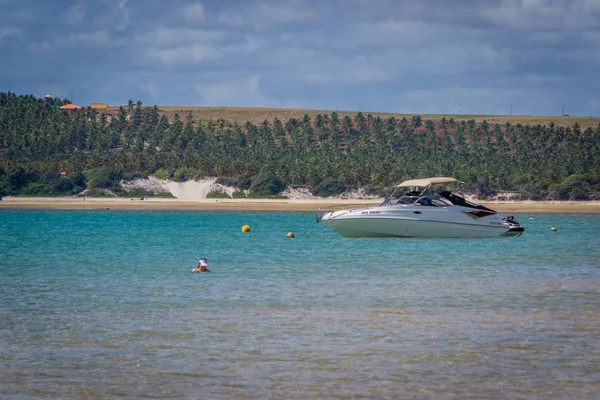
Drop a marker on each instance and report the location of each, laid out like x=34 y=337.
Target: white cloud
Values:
x=194 y=12
x=284 y=12
x=386 y=65
x=88 y=40
x=476 y=100
x=233 y=93
x=231 y=19
x=163 y=36
x=110 y=15
x=543 y=14
x=265 y=15
x=5 y=32
x=153 y=90
x=195 y=53
x=125 y=14
x=172 y=46
x=249 y=45
x=326 y=54
x=75 y=14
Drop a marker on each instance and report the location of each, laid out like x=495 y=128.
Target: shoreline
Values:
x=304 y=205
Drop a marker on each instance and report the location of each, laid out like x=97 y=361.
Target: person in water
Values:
x=202 y=266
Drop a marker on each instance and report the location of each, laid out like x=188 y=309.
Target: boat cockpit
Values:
x=429 y=198
x=415 y=196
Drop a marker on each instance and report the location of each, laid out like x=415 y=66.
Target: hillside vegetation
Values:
x=326 y=151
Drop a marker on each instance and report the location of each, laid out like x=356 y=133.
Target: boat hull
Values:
x=426 y=223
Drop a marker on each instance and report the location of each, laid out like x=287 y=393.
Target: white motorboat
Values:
x=415 y=209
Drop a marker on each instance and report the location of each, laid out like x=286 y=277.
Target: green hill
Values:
x=265 y=150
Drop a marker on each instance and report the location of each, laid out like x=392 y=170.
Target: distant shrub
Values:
x=244 y=182
x=21 y=177
x=103 y=178
x=238 y=194
x=36 y=189
x=134 y=175
x=226 y=181
x=574 y=187
x=579 y=193
x=4 y=188
x=50 y=176
x=217 y=195
x=79 y=179
x=181 y=174
x=118 y=190
x=265 y=185
x=63 y=186
x=380 y=191
x=161 y=174
x=328 y=187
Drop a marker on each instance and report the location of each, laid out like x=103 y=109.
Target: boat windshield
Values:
x=432 y=201
x=417 y=195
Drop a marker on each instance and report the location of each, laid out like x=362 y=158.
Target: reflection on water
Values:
x=98 y=309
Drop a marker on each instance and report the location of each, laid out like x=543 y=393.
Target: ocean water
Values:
x=103 y=304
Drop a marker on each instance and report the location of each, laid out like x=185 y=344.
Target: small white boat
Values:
x=415 y=209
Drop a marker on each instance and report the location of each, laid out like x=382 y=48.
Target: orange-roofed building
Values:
x=70 y=107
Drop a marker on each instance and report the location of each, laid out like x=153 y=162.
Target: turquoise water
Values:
x=102 y=304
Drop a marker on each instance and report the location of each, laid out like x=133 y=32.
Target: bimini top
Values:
x=426 y=182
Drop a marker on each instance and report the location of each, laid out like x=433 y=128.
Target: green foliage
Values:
x=4 y=188
x=118 y=190
x=378 y=191
x=238 y=194
x=79 y=180
x=266 y=185
x=104 y=178
x=537 y=191
x=574 y=187
x=129 y=176
x=217 y=195
x=36 y=189
x=21 y=177
x=37 y=142
x=64 y=186
x=328 y=187
x=244 y=182
x=225 y=181
x=182 y=174
x=160 y=174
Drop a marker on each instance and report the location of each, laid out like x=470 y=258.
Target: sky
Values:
x=525 y=57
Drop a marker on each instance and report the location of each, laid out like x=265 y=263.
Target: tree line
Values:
x=327 y=153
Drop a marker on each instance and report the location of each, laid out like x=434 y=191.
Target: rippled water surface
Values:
x=102 y=304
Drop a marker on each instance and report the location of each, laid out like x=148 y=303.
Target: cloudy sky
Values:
x=413 y=56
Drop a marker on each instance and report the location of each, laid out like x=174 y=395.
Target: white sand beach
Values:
x=192 y=195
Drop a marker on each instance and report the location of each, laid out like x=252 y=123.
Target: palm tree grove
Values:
x=327 y=153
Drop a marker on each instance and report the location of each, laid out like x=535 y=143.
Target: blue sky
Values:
x=417 y=56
